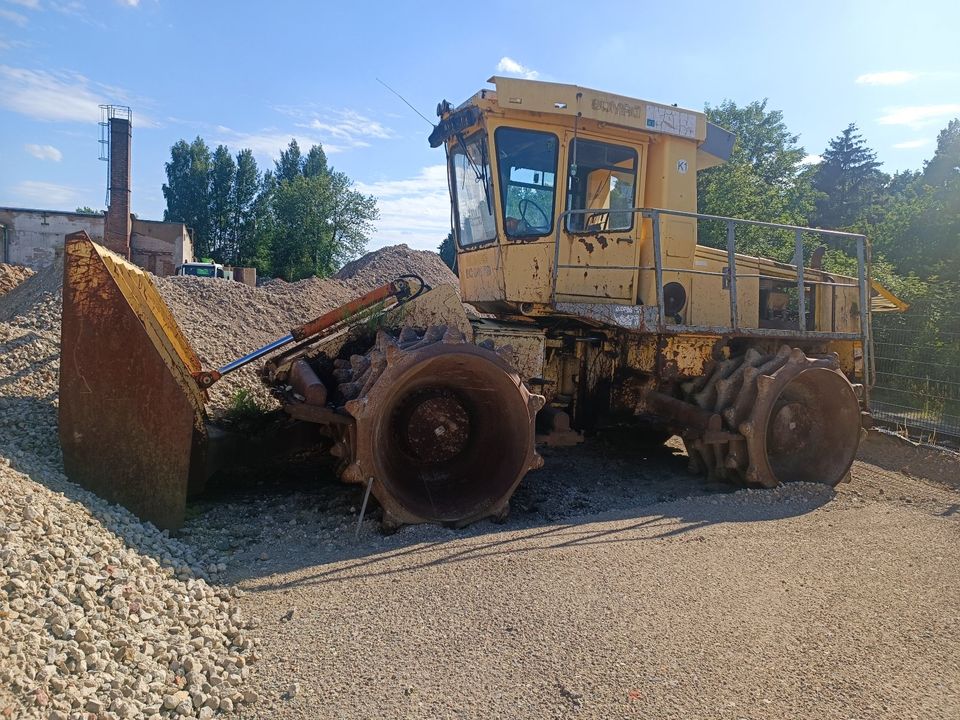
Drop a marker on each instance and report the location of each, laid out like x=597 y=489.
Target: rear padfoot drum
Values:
x=787 y=418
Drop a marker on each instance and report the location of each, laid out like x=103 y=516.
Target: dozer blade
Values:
x=131 y=417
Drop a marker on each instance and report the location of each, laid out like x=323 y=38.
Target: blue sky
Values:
x=256 y=74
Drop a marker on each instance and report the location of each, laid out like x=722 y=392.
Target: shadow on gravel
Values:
x=646 y=491
x=679 y=521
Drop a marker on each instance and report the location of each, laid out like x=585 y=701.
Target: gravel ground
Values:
x=796 y=602
x=618 y=587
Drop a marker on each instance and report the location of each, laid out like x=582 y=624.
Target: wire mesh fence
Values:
x=917 y=383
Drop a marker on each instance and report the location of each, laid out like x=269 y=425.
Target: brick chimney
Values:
x=116 y=231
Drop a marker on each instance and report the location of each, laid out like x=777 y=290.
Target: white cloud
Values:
x=812 y=160
x=13 y=17
x=37 y=193
x=415 y=210
x=350 y=129
x=32 y=4
x=893 y=77
x=63 y=96
x=71 y=7
x=44 y=152
x=918 y=116
x=910 y=144
x=338 y=130
x=267 y=143
x=46 y=96
x=129 y=3
x=511 y=67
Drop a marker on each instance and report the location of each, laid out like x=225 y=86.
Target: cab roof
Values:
x=714 y=144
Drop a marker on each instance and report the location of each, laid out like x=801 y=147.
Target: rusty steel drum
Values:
x=443 y=428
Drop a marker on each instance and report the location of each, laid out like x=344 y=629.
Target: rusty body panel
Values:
x=131 y=418
x=443 y=429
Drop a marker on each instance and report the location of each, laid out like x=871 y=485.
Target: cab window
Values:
x=527 y=162
x=602 y=177
x=470 y=170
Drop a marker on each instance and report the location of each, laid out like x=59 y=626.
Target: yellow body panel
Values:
x=592 y=266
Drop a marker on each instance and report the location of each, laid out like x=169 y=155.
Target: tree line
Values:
x=299 y=219
x=912 y=217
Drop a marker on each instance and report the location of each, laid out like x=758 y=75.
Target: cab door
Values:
x=598 y=247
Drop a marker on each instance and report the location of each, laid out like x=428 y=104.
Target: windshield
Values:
x=471 y=170
x=199 y=270
x=528 y=175
x=602 y=176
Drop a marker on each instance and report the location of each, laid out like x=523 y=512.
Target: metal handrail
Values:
x=654 y=214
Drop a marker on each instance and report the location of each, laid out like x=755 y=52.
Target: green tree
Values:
x=317 y=220
x=315 y=164
x=290 y=164
x=243 y=206
x=87 y=210
x=299 y=224
x=764 y=179
x=187 y=191
x=849 y=181
x=350 y=216
x=303 y=218
x=943 y=168
x=223 y=172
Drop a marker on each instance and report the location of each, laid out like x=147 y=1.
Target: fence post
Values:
x=801 y=299
x=865 y=338
x=732 y=271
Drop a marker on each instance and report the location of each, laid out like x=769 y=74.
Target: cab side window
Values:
x=603 y=177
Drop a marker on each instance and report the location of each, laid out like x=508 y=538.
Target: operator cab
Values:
x=601 y=175
x=545 y=180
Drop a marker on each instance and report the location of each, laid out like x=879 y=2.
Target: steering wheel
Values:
x=527 y=203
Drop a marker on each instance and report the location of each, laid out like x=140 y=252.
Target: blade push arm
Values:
x=399 y=289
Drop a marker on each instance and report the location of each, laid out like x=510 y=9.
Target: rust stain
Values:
x=602 y=241
x=587 y=244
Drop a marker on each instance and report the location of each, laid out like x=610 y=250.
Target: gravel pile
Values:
x=36 y=302
x=102 y=616
x=224 y=321
x=100 y=613
x=12 y=275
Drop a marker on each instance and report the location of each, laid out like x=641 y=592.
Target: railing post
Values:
x=801 y=299
x=732 y=270
x=658 y=269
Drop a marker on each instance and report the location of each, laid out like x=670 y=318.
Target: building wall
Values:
x=160 y=247
x=33 y=236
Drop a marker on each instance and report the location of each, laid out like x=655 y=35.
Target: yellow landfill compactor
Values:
x=597 y=295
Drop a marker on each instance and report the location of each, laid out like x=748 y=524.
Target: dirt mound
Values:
x=224 y=321
x=35 y=303
x=12 y=275
x=387 y=263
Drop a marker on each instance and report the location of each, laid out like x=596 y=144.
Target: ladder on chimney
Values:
x=107 y=113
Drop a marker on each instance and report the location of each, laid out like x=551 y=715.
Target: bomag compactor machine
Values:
x=601 y=296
